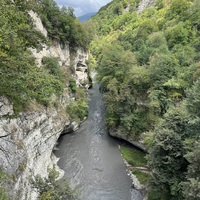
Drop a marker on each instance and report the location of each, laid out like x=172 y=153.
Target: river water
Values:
x=91 y=158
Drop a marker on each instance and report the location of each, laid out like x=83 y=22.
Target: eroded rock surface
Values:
x=64 y=53
x=128 y=138
x=145 y=4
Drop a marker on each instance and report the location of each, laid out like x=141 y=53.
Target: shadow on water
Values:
x=91 y=158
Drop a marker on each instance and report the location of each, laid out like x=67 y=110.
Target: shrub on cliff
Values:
x=72 y=85
x=52 y=65
x=78 y=109
x=50 y=189
x=4 y=179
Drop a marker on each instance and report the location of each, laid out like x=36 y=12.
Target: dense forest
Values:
x=148 y=70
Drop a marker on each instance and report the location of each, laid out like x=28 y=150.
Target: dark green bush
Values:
x=48 y=188
x=51 y=63
x=72 y=85
x=160 y=4
x=138 y=44
x=78 y=109
x=147 y=27
x=176 y=35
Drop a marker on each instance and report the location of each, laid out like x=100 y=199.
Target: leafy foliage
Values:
x=174 y=153
x=49 y=188
x=164 y=47
x=63 y=26
x=20 y=80
x=158 y=89
x=166 y=157
x=51 y=64
x=78 y=109
x=72 y=85
x=119 y=81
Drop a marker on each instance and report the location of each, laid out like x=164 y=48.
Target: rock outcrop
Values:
x=145 y=4
x=128 y=138
x=26 y=149
x=66 y=56
x=142 y=5
x=27 y=142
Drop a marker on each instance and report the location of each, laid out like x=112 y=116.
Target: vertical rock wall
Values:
x=63 y=52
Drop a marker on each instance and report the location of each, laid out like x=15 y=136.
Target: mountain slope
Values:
x=86 y=17
x=148 y=69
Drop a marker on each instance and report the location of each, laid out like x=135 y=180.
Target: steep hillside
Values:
x=166 y=36
x=148 y=68
x=86 y=17
x=44 y=82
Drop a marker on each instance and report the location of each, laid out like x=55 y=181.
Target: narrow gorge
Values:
x=110 y=105
x=92 y=161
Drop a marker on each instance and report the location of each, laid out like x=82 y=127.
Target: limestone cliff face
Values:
x=128 y=138
x=29 y=140
x=66 y=56
x=28 y=144
x=145 y=4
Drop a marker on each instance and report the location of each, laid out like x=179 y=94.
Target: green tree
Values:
x=192 y=185
x=120 y=79
x=147 y=27
x=63 y=26
x=118 y=9
x=72 y=85
x=176 y=35
x=185 y=54
x=194 y=14
x=162 y=68
x=115 y=63
x=143 y=55
x=53 y=66
x=125 y=3
x=166 y=156
x=160 y=4
x=178 y=8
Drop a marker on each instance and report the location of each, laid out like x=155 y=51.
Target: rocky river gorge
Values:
x=91 y=159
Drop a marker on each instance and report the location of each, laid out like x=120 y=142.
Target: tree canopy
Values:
x=148 y=68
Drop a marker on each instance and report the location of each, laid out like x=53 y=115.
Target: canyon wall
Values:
x=28 y=140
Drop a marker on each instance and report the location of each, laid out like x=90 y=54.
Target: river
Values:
x=91 y=158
